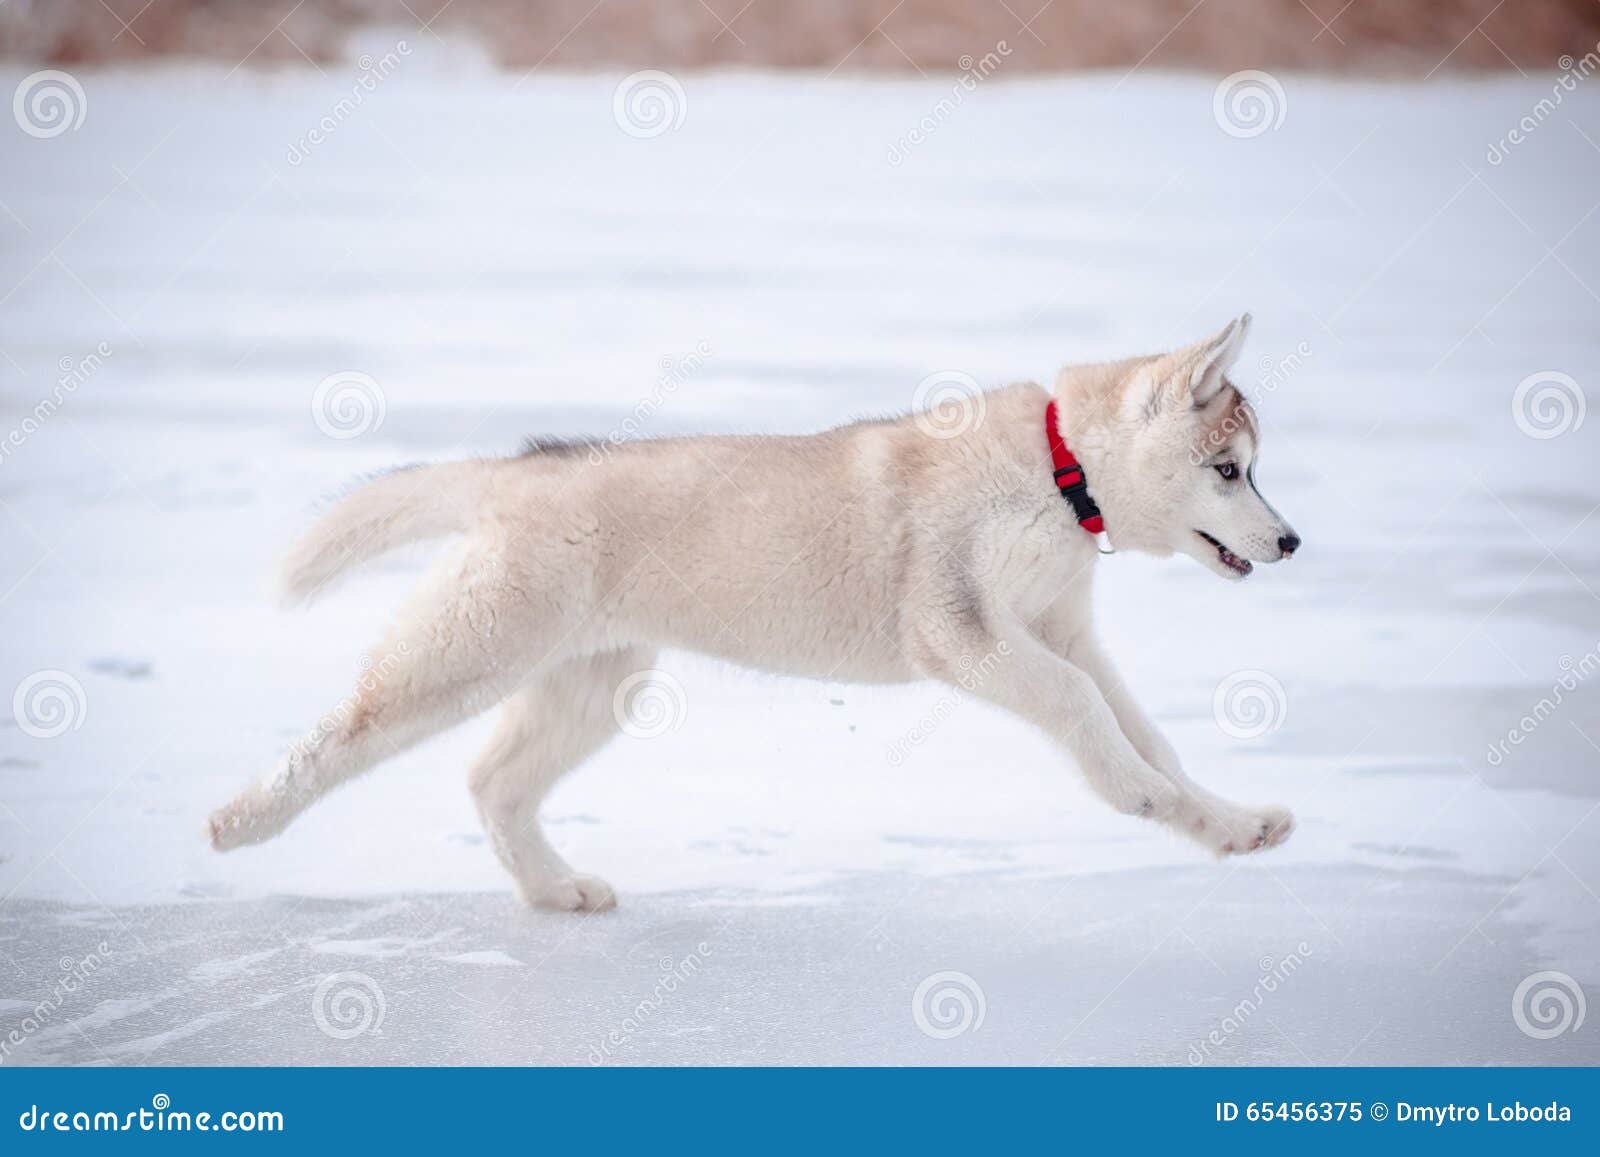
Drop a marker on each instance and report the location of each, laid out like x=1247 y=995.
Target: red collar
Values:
x=1071 y=482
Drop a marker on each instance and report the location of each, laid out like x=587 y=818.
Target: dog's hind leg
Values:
x=548 y=727
x=463 y=643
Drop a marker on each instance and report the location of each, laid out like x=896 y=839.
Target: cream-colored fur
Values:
x=880 y=552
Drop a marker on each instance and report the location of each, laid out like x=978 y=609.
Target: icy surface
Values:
x=503 y=260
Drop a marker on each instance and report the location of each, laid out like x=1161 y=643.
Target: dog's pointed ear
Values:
x=1187 y=377
x=1216 y=357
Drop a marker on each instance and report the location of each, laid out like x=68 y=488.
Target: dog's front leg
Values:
x=1077 y=644
x=1215 y=822
x=994 y=656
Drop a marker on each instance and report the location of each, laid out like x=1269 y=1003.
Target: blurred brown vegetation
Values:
x=1384 y=37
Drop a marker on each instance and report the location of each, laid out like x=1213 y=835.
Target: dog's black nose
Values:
x=1289 y=543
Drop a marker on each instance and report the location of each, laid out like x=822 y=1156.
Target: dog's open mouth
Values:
x=1239 y=566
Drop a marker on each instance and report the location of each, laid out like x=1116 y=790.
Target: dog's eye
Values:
x=1229 y=470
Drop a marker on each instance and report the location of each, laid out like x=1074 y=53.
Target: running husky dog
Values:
x=880 y=552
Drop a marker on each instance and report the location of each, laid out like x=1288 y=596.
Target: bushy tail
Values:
x=409 y=505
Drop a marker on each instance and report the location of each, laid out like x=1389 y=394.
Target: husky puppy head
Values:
x=1173 y=449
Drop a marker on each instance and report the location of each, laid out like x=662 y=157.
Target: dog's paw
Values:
x=251 y=817
x=1230 y=830
x=225 y=829
x=574 y=893
x=1279 y=823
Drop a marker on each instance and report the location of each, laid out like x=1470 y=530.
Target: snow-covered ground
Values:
x=503 y=259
